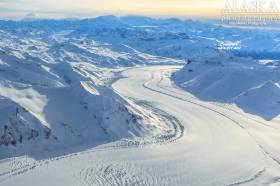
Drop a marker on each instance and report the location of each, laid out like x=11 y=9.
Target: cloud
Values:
x=83 y=8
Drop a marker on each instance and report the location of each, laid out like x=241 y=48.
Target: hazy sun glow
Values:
x=89 y=8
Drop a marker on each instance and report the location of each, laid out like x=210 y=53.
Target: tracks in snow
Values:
x=114 y=174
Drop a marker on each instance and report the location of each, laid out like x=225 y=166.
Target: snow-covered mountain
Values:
x=55 y=75
x=46 y=107
x=55 y=92
x=92 y=102
x=252 y=86
x=125 y=41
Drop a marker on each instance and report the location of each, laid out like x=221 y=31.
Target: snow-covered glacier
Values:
x=55 y=88
x=138 y=101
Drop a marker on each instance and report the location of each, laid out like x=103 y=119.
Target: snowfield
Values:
x=138 y=101
x=212 y=145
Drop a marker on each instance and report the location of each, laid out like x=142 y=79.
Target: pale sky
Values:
x=92 y=8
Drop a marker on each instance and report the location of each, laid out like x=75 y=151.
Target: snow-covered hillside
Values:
x=126 y=41
x=91 y=102
x=55 y=90
x=252 y=86
x=55 y=82
x=56 y=95
x=46 y=107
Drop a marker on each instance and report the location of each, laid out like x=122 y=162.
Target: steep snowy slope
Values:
x=55 y=91
x=251 y=85
x=71 y=113
x=262 y=100
x=216 y=146
x=50 y=106
x=54 y=76
x=20 y=128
